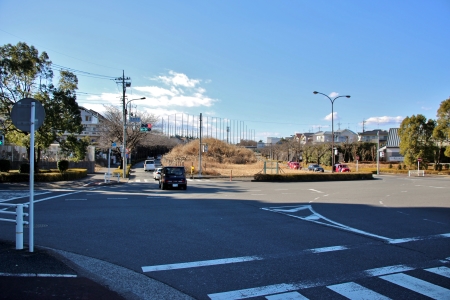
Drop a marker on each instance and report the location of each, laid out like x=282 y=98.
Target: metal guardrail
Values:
x=18 y=220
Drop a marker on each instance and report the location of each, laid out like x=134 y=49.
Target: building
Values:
x=372 y=136
x=391 y=152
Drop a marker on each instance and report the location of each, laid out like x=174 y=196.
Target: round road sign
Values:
x=21 y=114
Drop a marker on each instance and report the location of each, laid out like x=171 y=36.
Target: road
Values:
x=379 y=239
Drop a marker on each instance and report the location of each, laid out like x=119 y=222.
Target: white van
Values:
x=149 y=165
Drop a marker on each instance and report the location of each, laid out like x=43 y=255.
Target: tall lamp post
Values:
x=124 y=155
x=332 y=125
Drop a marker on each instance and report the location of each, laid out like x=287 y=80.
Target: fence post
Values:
x=19 y=227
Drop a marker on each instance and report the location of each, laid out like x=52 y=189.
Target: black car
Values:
x=174 y=177
x=315 y=168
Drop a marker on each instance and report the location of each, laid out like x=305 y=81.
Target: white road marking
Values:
x=313 y=190
x=36 y=275
x=435 y=222
x=328 y=249
x=258 y=194
x=116 y=198
x=443 y=271
x=75 y=199
x=355 y=291
x=419 y=286
x=319 y=219
x=387 y=270
x=18 y=195
x=284 y=288
x=203 y=263
x=260 y=291
x=287 y=296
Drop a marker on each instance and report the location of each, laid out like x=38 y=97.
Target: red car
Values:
x=294 y=165
x=341 y=168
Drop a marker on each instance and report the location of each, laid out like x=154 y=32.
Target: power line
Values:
x=80 y=72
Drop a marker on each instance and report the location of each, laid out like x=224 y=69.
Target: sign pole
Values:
x=31 y=211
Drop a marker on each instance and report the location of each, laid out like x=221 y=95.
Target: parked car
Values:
x=341 y=168
x=294 y=165
x=174 y=177
x=157 y=174
x=149 y=165
x=315 y=168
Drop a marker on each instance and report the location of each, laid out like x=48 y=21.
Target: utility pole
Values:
x=125 y=83
x=200 y=148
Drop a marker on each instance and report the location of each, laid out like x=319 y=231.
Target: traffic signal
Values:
x=146 y=127
x=2 y=140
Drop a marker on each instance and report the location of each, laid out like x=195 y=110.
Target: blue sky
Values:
x=256 y=63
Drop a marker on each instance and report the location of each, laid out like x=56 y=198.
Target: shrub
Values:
x=63 y=165
x=390 y=165
x=24 y=168
x=5 y=165
x=399 y=166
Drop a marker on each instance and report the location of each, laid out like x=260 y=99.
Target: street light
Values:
x=332 y=126
x=124 y=156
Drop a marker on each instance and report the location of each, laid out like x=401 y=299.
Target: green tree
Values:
x=416 y=139
x=73 y=148
x=442 y=131
x=24 y=73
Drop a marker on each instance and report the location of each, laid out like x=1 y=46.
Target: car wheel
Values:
x=163 y=186
x=184 y=187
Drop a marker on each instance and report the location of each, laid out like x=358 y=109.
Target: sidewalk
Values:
x=41 y=275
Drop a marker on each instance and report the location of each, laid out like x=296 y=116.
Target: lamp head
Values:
x=348 y=96
x=315 y=92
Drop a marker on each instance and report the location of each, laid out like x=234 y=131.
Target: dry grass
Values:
x=223 y=159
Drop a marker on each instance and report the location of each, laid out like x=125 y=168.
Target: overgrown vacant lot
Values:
x=223 y=159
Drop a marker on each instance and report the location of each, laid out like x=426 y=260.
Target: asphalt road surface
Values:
x=379 y=239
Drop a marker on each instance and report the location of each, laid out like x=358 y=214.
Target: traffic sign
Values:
x=114 y=145
x=419 y=159
x=21 y=114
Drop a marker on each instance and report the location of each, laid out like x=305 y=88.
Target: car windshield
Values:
x=174 y=171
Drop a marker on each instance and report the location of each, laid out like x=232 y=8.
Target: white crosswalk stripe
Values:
x=419 y=286
x=443 y=271
x=287 y=296
x=355 y=291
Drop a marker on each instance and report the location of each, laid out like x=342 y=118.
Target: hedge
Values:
x=313 y=177
x=45 y=176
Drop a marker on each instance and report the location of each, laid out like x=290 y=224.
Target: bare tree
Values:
x=111 y=128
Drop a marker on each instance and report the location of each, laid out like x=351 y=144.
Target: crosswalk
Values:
x=408 y=284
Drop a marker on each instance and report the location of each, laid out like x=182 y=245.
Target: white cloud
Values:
x=335 y=117
x=180 y=91
x=178 y=79
x=156 y=91
x=383 y=120
x=333 y=95
x=174 y=91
